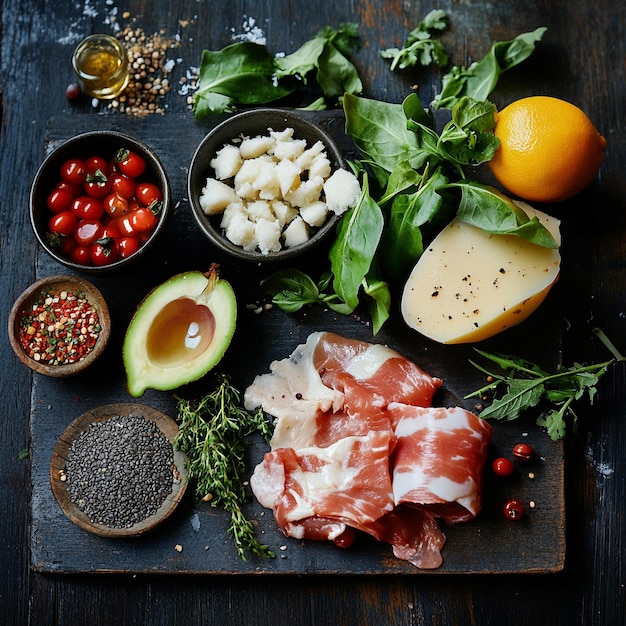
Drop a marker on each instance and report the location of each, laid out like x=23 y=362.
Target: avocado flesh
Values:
x=179 y=332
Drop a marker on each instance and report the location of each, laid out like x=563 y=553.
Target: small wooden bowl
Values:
x=55 y=284
x=62 y=451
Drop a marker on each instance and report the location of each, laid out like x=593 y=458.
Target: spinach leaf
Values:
x=245 y=73
x=379 y=130
x=420 y=47
x=326 y=54
x=379 y=300
x=403 y=241
x=485 y=207
x=353 y=251
x=480 y=78
x=242 y=73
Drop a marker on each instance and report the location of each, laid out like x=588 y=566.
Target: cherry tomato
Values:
x=502 y=466
x=88 y=208
x=127 y=246
x=116 y=205
x=123 y=185
x=522 y=452
x=80 y=255
x=75 y=190
x=103 y=253
x=59 y=200
x=513 y=509
x=63 y=223
x=74 y=171
x=98 y=184
x=73 y=91
x=143 y=220
x=124 y=225
x=110 y=230
x=346 y=539
x=148 y=193
x=87 y=232
x=95 y=163
x=130 y=163
x=67 y=246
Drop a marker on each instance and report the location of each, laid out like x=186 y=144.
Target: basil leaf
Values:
x=353 y=251
x=480 y=78
x=291 y=289
x=242 y=73
x=336 y=74
x=485 y=207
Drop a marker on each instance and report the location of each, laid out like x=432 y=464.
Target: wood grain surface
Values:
x=581 y=59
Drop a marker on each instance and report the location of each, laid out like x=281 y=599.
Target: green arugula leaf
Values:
x=527 y=386
x=420 y=48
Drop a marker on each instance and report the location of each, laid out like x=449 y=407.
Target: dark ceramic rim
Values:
x=200 y=169
x=38 y=194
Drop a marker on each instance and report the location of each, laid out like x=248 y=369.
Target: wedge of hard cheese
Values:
x=469 y=285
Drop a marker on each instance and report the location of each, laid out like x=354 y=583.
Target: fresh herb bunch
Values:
x=212 y=434
x=418 y=185
x=528 y=386
x=420 y=175
x=246 y=73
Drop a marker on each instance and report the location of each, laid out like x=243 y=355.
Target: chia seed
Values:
x=120 y=471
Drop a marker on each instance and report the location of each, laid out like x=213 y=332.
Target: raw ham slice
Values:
x=346 y=483
x=357 y=444
x=325 y=383
x=438 y=459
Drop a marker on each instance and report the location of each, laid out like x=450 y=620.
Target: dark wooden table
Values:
x=582 y=60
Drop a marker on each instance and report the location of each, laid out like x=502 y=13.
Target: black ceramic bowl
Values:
x=253 y=123
x=104 y=143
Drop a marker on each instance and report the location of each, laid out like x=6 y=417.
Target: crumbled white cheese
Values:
x=273 y=190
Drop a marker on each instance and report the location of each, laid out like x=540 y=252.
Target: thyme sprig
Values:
x=212 y=433
x=527 y=386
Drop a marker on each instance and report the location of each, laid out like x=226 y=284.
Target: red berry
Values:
x=73 y=91
x=513 y=510
x=522 y=452
x=502 y=466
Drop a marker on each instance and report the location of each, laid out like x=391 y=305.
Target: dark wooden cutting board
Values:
x=489 y=544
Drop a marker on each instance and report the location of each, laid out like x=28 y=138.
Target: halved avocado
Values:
x=179 y=332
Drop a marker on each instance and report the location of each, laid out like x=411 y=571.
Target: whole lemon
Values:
x=549 y=149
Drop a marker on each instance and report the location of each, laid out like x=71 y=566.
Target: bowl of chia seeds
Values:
x=114 y=471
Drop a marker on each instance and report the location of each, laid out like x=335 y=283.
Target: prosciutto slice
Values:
x=358 y=444
x=438 y=460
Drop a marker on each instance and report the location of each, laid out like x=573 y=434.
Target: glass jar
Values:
x=101 y=65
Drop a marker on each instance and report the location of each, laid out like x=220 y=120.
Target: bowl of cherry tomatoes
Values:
x=99 y=201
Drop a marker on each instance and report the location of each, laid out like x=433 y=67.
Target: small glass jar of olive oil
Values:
x=101 y=65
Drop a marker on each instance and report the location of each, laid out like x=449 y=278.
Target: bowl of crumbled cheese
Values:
x=269 y=184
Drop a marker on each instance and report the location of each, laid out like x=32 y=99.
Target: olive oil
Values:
x=101 y=65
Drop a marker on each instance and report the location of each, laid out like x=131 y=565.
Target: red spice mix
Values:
x=62 y=328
